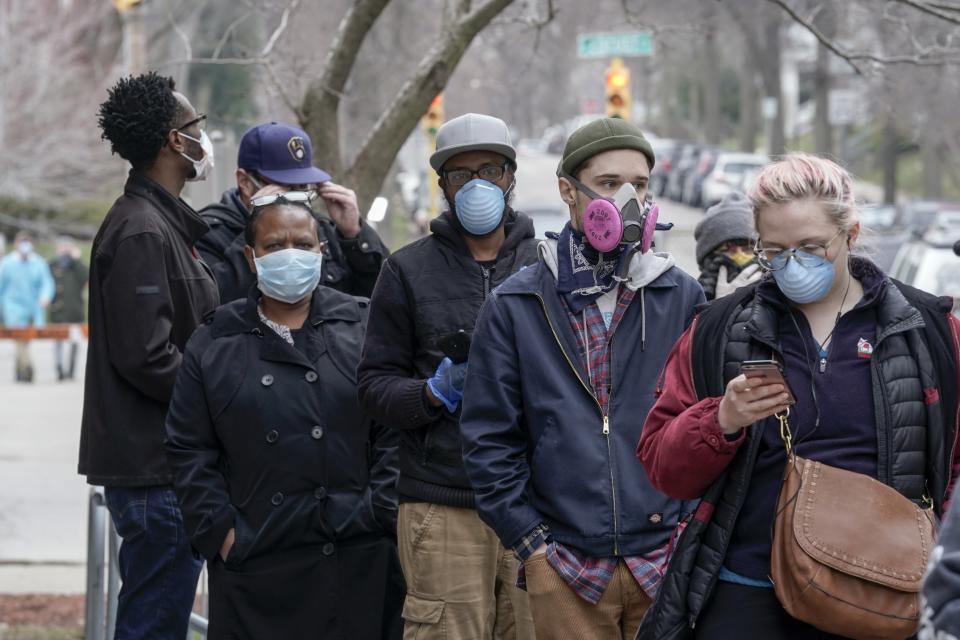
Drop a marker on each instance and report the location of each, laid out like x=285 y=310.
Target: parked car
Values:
x=883 y=233
x=730 y=172
x=666 y=152
x=687 y=162
x=929 y=263
x=693 y=187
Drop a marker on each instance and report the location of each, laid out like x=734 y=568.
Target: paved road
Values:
x=43 y=500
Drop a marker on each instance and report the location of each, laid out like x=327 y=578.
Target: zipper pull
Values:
x=606 y=425
x=823 y=364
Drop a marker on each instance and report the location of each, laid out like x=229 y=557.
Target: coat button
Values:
x=311 y=376
x=272 y=436
x=277 y=499
x=317 y=432
x=328 y=549
x=266 y=380
x=320 y=493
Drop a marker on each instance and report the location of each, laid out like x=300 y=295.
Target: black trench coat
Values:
x=271 y=441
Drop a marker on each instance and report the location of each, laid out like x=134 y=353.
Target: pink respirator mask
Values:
x=620 y=220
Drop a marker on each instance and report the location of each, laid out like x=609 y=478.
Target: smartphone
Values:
x=770 y=371
x=455 y=346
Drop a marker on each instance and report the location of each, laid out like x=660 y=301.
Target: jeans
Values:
x=157 y=566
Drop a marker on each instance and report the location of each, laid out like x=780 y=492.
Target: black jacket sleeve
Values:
x=193 y=452
x=384 y=472
x=232 y=273
x=138 y=314
x=364 y=256
x=388 y=387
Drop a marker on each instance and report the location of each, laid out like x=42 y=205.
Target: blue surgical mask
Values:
x=479 y=206
x=289 y=275
x=805 y=284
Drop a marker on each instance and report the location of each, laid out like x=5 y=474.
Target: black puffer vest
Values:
x=913 y=352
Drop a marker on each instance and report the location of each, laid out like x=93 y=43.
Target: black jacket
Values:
x=916 y=435
x=429 y=289
x=349 y=265
x=148 y=291
x=271 y=440
x=70 y=276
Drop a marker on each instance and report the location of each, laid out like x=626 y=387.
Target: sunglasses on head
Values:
x=294 y=197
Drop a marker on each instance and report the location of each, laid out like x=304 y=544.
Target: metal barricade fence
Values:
x=103 y=547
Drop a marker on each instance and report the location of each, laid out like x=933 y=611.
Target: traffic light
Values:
x=434 y=116
x=125 y=5
x=618 y=90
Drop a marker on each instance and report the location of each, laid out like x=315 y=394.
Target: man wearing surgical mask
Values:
x=564 y=367
x=460 y=580
x=149 y=290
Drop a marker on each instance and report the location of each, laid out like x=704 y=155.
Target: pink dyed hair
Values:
x=801 y=176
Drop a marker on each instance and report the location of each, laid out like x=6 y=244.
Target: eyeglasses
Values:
x=201 y=118
x=490 y=172
x=294 y=197
x=808 y=255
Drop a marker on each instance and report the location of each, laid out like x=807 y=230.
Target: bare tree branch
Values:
x=924 y=59
x=929 y=9
x=387 y=136
x=227 y=33
x=280 y=28
x=321 y=101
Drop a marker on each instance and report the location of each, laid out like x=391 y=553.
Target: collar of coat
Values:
x=177 y=213
x=326 y=304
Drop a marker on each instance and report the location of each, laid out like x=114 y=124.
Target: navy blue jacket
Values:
x=533 y=437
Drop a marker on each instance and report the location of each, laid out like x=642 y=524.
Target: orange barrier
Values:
x=49 y=332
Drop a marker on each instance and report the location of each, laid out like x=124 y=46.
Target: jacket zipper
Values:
x=606 y=422
x=485 y=274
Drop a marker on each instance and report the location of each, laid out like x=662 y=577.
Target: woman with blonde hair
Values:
x=861 y=377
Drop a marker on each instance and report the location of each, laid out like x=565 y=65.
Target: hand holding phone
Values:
x=455 y=346
x=758 y=392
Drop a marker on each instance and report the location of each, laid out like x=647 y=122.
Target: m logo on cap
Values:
x=297 y=148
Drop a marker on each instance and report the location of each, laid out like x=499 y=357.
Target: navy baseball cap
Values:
x=281 y=153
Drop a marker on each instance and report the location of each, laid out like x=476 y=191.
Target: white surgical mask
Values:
x=289 y=275
x=202 y=166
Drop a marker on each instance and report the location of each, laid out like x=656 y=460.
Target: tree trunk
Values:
x=749 y=123
x=318 y=112
x=711 y=86
x=889 y=155
x=381 y=146
x=776 y=142
x=822 y=132
x=932 y=155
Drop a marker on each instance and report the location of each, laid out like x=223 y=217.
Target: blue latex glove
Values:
x=447 y=383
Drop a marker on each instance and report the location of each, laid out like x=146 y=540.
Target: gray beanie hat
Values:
x=729 y=219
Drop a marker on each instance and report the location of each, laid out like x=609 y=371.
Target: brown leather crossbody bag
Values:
x=849 y=552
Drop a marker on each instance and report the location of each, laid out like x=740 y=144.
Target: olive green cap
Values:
x=602 y=134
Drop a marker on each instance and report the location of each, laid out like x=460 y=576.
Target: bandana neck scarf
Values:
x=583 y=273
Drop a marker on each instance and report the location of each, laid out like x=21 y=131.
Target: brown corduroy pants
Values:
x=559 y=613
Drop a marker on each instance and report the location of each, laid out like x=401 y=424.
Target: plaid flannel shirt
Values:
x=589 y=577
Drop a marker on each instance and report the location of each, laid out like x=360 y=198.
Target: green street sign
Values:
x=610 y=45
